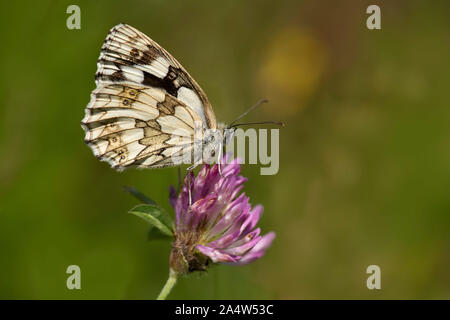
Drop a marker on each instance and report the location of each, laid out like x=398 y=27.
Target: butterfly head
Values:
x=213 y=141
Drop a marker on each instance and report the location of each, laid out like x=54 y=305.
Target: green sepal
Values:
x=161 y=222
x=139 y=195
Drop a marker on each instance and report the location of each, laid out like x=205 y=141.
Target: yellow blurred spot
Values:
x=291 y=69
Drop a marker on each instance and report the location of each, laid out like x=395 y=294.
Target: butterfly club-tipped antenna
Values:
x=257 y=104
x=233 y=124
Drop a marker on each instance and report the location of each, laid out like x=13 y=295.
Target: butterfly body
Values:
x=147 y=111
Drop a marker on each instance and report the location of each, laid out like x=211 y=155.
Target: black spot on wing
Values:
x=174 y=79
x=117 y=76
x=164 y=83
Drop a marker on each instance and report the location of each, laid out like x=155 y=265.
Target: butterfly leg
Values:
x=219 y=159
x=219 y=164
x=192 y=167
x=189 y=190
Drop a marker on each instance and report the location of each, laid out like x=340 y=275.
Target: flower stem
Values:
x=168 y=286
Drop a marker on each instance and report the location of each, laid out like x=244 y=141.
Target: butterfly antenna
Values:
x=260 y=102
x=278 y=123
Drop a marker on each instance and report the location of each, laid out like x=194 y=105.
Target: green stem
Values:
x=168 y=286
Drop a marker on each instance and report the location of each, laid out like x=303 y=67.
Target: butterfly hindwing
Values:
x=145 y=107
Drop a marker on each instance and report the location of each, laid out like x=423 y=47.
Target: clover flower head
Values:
x=213 y=222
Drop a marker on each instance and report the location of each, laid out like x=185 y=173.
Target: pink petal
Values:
x=244 y=248
x=259 y=249
x=216 y=255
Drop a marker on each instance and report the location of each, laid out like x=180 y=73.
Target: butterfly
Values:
x=146 y=110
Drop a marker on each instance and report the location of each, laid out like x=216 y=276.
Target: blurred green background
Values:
x=364 y=159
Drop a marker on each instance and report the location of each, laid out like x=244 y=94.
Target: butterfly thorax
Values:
x=212 y=142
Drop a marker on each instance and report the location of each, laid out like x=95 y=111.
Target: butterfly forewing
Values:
x=145 y=107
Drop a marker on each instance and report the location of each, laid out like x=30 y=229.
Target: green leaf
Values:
x=155 y=234
x=157 y=217
x=139 y=195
